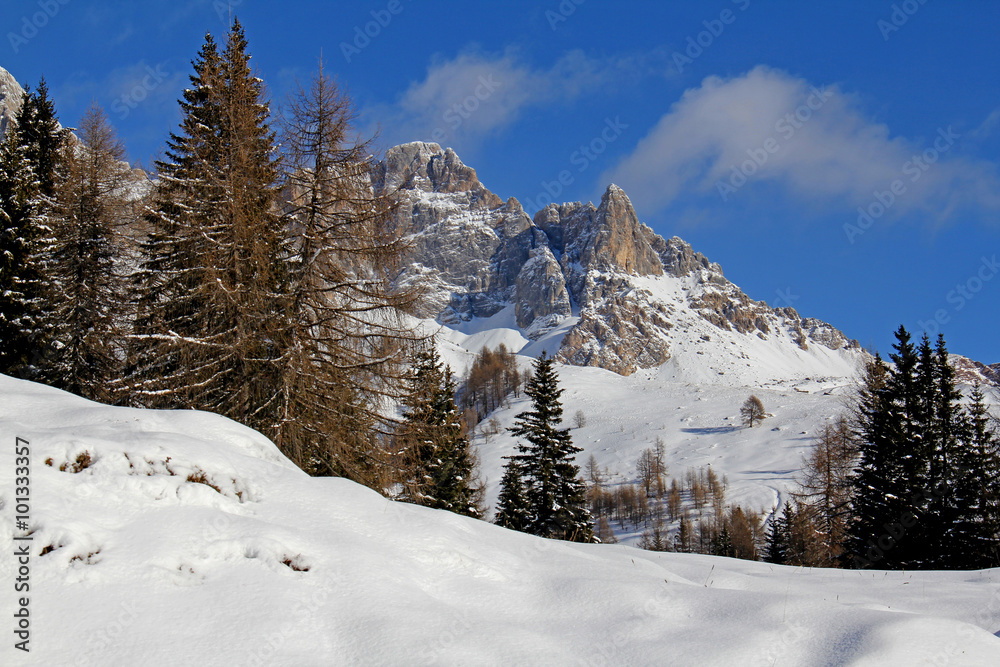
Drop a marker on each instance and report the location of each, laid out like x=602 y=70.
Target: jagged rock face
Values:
x=678 y=258
x=468 y=247
x=973 y=372
x=10 y=99
x=622 y=333
x=542 y=298
x=475 y=254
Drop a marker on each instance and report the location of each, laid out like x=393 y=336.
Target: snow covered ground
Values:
x=686 y=403
x=691 y=404
x=189 y=539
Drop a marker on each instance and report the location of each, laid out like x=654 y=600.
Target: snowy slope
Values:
x=146 y=567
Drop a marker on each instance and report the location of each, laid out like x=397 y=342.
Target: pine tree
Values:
x=778 y=535
x=85 y=291
x=513 y=509
x=19 y=234
x=891 y=455
x=346 y=341
x=977 y=489
x=438 y=460
x=555 y=492
x=212 y=285
x=29 y=158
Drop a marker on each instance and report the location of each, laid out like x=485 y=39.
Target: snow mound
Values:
x=177 y=538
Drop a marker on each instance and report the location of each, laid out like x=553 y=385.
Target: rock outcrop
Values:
x=573 y=265
x=10 y=99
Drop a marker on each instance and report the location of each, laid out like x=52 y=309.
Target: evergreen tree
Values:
x=86 y=293
x=19 y=235
x=29 y=159
x=212 y=285
x=891 y=456
x=513 y=509
x=977 y=490
x=438 y=459
x=722 y=543
x=556 y=493
x=944 y=510
x=778 y=535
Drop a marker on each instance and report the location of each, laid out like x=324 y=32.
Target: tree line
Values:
x=253 y=279
x=910 y=479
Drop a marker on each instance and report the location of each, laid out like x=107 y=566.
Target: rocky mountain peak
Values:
x=427 y=167
x=624 y=295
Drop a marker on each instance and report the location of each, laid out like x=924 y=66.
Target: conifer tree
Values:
x=825 y=489
x=29 y=159
x=86 y=296
x=438 y=461
x=346 y=341
x=213 y=280
x=513 y=510
x=944 y=510
x=778 y=535
x=556 y=493
x=977 y=489
x=20 y=231
x=890 y=453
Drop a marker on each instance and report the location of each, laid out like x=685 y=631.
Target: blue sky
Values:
x=840 y=158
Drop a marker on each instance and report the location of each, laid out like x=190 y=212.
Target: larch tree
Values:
x=213 y=282
x=825 y=489
x=86 y=291
x=752 y=411
x=347 y=347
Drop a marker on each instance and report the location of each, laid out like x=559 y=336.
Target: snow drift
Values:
x=179 y=538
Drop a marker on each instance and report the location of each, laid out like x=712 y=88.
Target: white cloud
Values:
x=815 y=142
x=464 y=99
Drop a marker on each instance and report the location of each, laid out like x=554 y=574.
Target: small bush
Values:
x=83 y=461
x=199 y=477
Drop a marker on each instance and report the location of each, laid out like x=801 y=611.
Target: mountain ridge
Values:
x=621 y=292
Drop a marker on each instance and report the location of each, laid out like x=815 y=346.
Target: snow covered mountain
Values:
x=181 y=538
x=657 y=345
x=621 y=297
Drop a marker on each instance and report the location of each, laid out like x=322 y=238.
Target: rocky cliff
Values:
x=10 y=99
x=624 y=295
